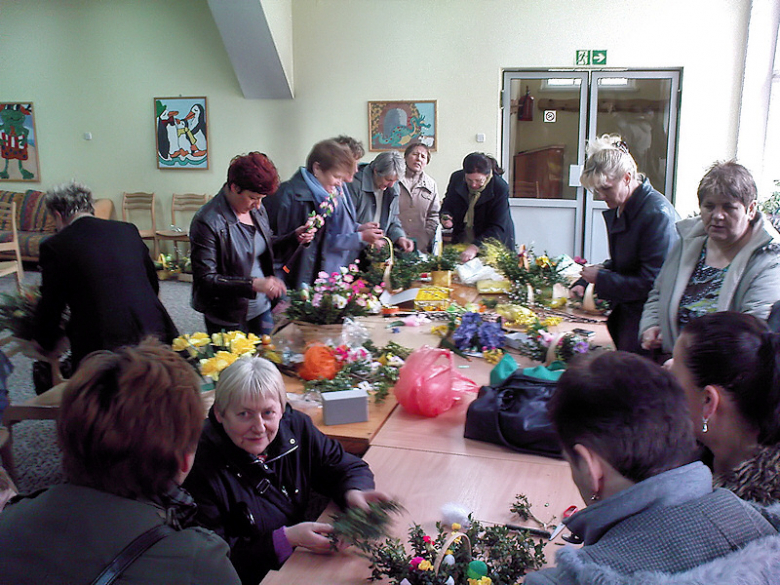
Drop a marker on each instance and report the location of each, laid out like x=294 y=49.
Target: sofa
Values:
x=35 y=223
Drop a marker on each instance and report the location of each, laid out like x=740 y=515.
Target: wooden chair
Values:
x=182 y=203
x=45 y=406
x=142 y=202
x=8 y=221
x=527 y=189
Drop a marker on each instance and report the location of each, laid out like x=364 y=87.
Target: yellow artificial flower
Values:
x=455 y=526
x=242 y=346
x=551 y=322
x=425 y=565
x=543 y=261
x=199 y=339
x=180 y=343
x=213 y=366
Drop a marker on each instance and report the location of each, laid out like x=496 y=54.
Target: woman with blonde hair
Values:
x=257 y=465
x=640 y=229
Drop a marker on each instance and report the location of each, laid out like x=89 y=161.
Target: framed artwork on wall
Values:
x=182 y=133
x=393 y=125
x=18 y=143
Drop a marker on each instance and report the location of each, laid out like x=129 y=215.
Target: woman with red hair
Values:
x=232 y=260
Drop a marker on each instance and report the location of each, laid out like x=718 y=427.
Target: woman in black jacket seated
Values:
x=476 y=205
x=257 y=463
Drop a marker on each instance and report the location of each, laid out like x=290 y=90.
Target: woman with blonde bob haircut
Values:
x=129 y=426
x=257 y=465
x=640 y=229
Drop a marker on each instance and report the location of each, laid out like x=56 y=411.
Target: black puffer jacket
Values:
x=221 y=262
x=244 y=501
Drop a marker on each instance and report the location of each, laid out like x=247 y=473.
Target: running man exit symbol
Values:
x=599 y=57
x=582 y=58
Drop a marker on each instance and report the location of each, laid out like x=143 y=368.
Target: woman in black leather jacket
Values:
x=232 y=259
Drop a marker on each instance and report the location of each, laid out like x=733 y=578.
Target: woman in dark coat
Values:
x=476 y=205
x=640 y=227
x=232 y=259
x=258 y=462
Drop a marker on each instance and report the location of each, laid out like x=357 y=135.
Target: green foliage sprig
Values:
x=362 y=528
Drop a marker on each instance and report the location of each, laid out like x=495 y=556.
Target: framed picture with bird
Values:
x=182 y=133
x=393 y=125
x=18 y=143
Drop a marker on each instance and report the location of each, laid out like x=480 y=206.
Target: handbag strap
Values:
x=131 y=552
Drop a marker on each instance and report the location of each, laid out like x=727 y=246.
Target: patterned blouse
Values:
x=701 y=294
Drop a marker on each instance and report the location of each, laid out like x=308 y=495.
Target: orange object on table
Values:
x=318 y=363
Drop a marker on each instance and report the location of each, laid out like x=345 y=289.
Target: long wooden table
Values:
x=426 y=462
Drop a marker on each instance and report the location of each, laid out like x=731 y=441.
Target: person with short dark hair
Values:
x=476 y=205
x=374 y=191
x=102 y=272
x=258 y=463
x=652 y=515
x=232 y=257
x=727 y=259
x=129 y=425
x=342 y=237
x=418 y=199
x=728 y=364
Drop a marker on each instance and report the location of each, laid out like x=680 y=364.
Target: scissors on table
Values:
x=566 y=514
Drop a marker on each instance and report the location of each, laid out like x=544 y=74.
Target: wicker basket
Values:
x=313 y=333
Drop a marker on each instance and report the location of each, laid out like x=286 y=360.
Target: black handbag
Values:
x=514 y=414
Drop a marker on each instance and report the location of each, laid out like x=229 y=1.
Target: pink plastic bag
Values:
x=428 y=382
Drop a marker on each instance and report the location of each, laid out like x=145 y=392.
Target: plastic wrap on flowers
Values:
x=428 y=383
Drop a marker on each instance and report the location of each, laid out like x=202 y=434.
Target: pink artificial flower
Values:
x=322 y=274
x=316 y=299
x=427 y=539
x=416 y=561
x=545 y=337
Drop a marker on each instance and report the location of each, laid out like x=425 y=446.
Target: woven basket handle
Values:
x=550 y=357
x=388 y=265
x=588 y=302
x=447 y=543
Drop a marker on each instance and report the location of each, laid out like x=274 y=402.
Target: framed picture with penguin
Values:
x=18 y=143
x=182 y=133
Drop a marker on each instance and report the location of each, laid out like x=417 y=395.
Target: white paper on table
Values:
x=390 y=300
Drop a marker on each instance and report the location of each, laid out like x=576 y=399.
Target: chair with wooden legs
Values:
x=181 y=204
x=134 y=203
x=8 y=223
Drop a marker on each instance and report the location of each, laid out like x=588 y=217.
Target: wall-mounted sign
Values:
x=590 y=57
x=550 y=115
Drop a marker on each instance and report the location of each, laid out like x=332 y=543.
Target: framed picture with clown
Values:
x=18 y=143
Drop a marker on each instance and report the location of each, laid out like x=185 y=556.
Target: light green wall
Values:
x=95 y=66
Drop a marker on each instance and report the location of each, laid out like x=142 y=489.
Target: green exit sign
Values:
x=596 y=57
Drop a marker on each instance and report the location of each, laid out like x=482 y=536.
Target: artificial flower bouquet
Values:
x=334 y=297
x=210 y=354
x=17 y=313
x=546 y=347
x=333 y=368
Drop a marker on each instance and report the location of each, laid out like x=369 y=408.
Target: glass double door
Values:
x=547 y=118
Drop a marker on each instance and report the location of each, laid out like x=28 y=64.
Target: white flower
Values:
x=339 y=302
x=374 y=306
x=395 y=361
x=365 y=385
